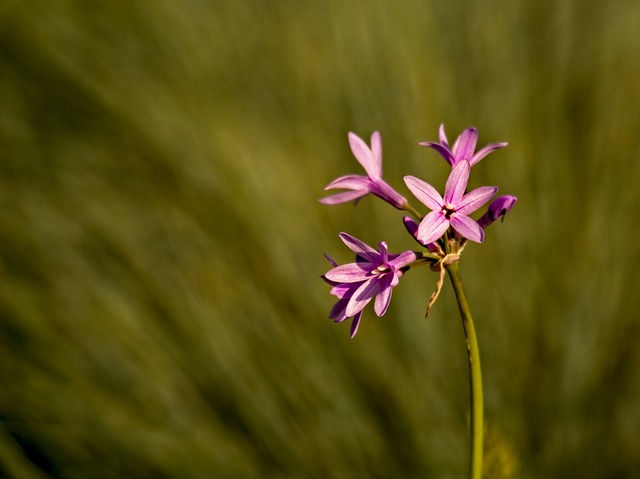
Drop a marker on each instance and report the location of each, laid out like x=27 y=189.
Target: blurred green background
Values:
x=161 y=242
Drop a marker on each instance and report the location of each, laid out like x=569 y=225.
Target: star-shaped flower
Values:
x=464 y=147
x=374 y=274
x=371 y=161
x=454 y=208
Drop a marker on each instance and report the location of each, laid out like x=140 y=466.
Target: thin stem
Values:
x=413 y=211
x=475 y=375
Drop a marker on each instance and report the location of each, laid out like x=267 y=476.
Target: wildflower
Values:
x=463 y=148
x=497 y=209
x=371 y=161
x=374 y=274
x=454 y=208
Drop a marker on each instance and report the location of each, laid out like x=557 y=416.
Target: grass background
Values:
x=161 y=312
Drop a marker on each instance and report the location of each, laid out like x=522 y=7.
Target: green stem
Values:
x=475 y=375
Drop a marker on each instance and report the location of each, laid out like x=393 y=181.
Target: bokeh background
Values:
x=162 y=313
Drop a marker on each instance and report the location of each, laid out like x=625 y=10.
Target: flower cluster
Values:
x=443 y=231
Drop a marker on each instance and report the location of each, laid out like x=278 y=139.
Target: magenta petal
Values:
x=465 y=145
x=467 y=227
x=382 y=301
x=485 y=151
x=475 y=199
x=354 y=324
x=350 y=182
x=403 y=259
x=376 y=149
x=426 y=193
x=443 y=150
x=362 y=296
x=364 y=156
x=443 y=136
x=359 y=247
x=343 y=197
x=456 y=183
x=349 y=273
x=432 y=227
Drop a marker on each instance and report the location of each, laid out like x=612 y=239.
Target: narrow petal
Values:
x=426 y=193
x=382 y=300
x=465 y=145
x=363 y=295
x=443 y=150
x=443 y=136
x=403 y=259
x=384 y=252
x=364 y=156
x=354 y=324
x=349 y=273
x=383 y=190
x=330 y=260
x=485 y=151
x=475 y=199
x=343 y=197
x=350 y=182
x=467 y=227
x=359 y=247
x=376 y=149
x=432 y=227
x=456 y=183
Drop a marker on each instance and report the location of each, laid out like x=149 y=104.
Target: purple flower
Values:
x=497 y=209
x=454 y=208
x=371 y=161
x=464 y=147
x=374 y=274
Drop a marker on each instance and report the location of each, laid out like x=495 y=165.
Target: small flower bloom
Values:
x=374 y=274
x=371 y=161
x=454 y=208
x=497 y=209
x=464 y=147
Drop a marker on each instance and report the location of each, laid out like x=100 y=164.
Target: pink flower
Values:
x=464 y=147
x=359 y=186
x=373 y=275
x=454 y=208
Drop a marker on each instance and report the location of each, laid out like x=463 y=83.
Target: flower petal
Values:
x=350 y=182
x=475 y=199
x=465 y=145
x=467 y=227
x=376 y=149
x=383 y=190
x=354 y=324
x=443 y=136
x=456 y=183
x=403 y=259
x=382 y=300
x=365 y=156
x=485 y=151
x=360 y=247
x=349 y=273
x=362 y=296
x=426 y=193
x=343 y=197
x=443 y=150
x=432 y=227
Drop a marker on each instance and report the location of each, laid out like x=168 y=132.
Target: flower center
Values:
x=448 y=210
x=381 y=269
